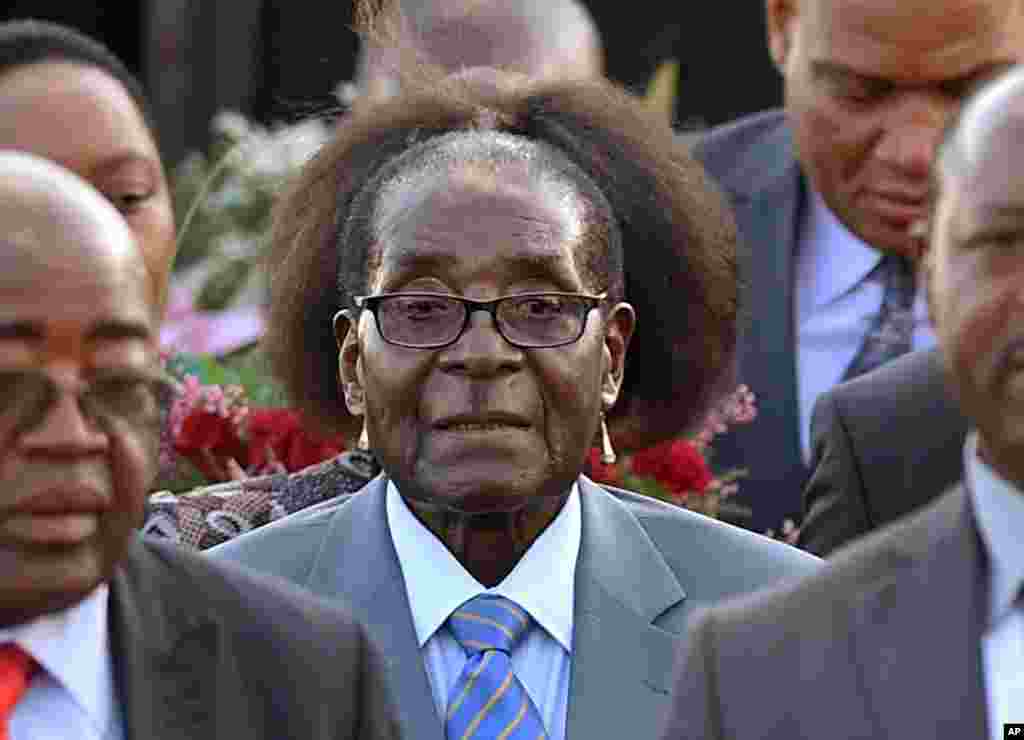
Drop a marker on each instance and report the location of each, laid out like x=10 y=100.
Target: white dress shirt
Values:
x=835 y=306
x=999 y=511
x=72 y=694
x=542 y=583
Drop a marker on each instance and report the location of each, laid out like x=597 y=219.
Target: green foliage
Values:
x=224 y=284
x=248 y=368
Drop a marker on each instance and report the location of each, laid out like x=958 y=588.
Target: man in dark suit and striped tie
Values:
x=916 y=630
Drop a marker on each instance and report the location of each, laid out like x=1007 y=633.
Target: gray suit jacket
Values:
x=885 y=444
x=884 y=642
x=753 y=161
x=643 y=567
x=206 y=650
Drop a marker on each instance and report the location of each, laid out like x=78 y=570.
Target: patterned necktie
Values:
x=16 y=668
x=892 y=330
x=488 y=701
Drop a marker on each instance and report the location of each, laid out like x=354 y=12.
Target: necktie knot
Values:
x=488 y=623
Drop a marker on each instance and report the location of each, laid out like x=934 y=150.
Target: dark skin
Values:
x=975 y=269
x=119 y=157
x=72 y=485
x=869 y=87
x=486 y=486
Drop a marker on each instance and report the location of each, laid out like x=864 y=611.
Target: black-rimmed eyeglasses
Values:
x=436 y=320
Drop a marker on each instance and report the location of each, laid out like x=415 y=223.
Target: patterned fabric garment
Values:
x=892 y=332
x=16 y=668
x=211 y=515
x=488 y=701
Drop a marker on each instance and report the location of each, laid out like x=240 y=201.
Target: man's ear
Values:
x=780 y=21
x=618 y=332
x=346 y=335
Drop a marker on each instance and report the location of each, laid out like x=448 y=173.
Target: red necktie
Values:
x=16 y=667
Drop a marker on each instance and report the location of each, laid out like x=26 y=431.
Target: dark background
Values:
x=275 y=59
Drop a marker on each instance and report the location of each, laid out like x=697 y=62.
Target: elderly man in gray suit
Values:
x=103 y=635
x=824 y=192
x=915 y=631
x=483 y=311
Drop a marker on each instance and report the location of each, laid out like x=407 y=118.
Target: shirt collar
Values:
x=833 y=260
x=542 y=582
x=999 y=512
x=73 y=647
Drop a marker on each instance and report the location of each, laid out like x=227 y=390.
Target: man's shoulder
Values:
x=817 y=606
x=288 y=546
x=902 y=386
x=740 y=560
x=729 y=147
x=259 y=604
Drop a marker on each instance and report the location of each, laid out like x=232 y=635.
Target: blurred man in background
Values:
x=825 y=192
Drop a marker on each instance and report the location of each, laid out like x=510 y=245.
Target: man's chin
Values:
x=487 y=489
x=891 y=238
x=41 y=581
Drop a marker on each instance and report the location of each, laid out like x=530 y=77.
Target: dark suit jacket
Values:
x=884 y=642
x=885 y=444
x=643 y=567
x=753 y=162
x=207 y=650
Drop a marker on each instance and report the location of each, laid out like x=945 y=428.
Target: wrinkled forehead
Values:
x=485 y=168
x=914 y=40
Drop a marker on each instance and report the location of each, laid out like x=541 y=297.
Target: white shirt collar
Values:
x=999 y=511
x=832 y=260
x=542 y=582
x=73 y=647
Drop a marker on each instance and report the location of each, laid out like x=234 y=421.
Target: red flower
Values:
x=208 y=430
x=276 y=435
x=599 y=472
x=676 y=465
x=306 y=450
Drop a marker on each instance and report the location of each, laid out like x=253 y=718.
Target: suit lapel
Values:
x=165 y=657
x=927 y=620
x=358 y=563
x=619 y=658
x=767 y=203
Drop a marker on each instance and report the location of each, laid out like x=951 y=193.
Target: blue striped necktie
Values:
x=488 y=701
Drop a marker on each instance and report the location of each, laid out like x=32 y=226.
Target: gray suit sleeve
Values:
x=834 y=498
x=695 y=713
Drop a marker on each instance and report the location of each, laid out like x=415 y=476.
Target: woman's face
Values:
x=482 y=426
x=83 y=119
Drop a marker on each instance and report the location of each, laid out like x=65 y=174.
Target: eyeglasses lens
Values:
x=26 y=396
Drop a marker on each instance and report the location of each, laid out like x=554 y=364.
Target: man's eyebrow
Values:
x=977 y=77
x=23 y=330
x=535 y=264
x=113 y=330
x=409 y=260
x=126 y=158
x=970 y=79
x=826 y=68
